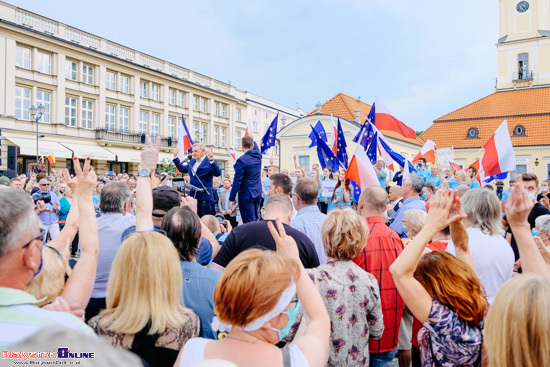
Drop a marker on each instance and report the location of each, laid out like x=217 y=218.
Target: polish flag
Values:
x=360 y=169
x=452 y=163
x=248 y=131
x=384 y=120
x=333 y=135
x=427 y=152
x=185 y=143
x=499 y=152
x=480 y=174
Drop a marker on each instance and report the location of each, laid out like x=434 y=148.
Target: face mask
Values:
x=423 y=196
x=544 y=189
x=419 y=165
x=532 y=196
x=534 y=232
x=405 y=232
x=291 y=317
x=39 y=268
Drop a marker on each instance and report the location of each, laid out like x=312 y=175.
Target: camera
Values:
x=221 y=219
x=45 y=196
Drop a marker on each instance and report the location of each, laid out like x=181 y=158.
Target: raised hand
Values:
x=286 y=245
x=189 y=202
x=150 y=154
x=440 y=209
x=518 y=205
x=176 y=152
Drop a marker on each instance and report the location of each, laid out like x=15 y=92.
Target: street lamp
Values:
x=37 y=117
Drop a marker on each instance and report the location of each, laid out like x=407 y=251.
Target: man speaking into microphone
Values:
x=202 y=168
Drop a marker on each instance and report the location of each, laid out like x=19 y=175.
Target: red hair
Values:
x=454 y=284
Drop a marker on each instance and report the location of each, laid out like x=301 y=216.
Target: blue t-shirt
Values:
x=433 y=179
x=424 y=173
x=505 y=195
x=455 y=184
x=341 y=202
x=382 y=178
x=475 y=184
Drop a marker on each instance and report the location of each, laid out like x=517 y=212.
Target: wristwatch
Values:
x=144 y=172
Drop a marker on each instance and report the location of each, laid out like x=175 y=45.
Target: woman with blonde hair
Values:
x=256 y=295
x=442 y=291
x=413 y=221
x=351 y=295
x=143 y=311
x=516 y=331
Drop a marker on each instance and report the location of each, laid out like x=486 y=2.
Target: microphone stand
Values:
x=204 y=189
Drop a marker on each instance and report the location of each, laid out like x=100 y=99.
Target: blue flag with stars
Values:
x=366 y=135
x=372 y=114
x=356 y=190
x=341 y=145
x=325 y=154
x=268 y=139
x=398 y=158
x=371 y=151
x=500 y=176
x=320 y=131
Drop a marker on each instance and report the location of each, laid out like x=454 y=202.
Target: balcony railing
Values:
x=525 y=75
x=131 y=137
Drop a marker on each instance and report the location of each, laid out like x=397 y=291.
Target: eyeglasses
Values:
x=44 y=184
x=39 y=237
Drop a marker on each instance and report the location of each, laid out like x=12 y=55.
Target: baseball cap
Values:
x=165 y=198
x=4 y=181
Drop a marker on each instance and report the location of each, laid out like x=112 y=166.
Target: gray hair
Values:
x=16 y=217
x=544 y=223
x=114 y=196
x=416 y=219
x=483 y=210
x=416 y=181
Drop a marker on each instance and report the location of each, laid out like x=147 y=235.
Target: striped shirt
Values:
x=20 y=318
x=309 y=221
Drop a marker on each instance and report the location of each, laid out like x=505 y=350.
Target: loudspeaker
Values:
x=12 y=158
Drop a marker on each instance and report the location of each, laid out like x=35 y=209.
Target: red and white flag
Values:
x=499 y=152
x=185 y=143
x=360 y=169
x=427 y=152
x=451 y=163
x=248 y=131
x=384 y=120
x=333 y=135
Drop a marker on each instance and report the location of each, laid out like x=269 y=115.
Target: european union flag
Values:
x=398 y=158
x=371 y=151
x=372 y=114
x=325 y=154
x=341 y=146
x=269 y=138
x=500 y=176
x=321 y=131
x=356 y=190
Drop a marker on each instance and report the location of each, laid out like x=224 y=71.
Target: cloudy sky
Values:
x=422 y=59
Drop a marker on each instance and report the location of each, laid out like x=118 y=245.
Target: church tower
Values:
x=523 y=46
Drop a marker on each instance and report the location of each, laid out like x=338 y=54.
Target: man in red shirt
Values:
x=382 y=248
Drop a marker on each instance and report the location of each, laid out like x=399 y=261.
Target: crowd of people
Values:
x=276 y=269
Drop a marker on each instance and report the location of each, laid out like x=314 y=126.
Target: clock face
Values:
x=522 y=6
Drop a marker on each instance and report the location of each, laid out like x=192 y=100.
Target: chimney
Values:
x=318 y=106
x=357 y=113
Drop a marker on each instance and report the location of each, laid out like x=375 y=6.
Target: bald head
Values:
x=373 y=201
x=211 y=222
x=278 y=206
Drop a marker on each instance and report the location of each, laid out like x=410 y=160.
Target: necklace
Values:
x=243 y=340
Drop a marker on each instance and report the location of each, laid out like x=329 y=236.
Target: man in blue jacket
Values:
x=248 y=181
x=202 y=168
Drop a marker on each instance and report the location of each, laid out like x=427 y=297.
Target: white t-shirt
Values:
x=193 y=353
x=493 y=260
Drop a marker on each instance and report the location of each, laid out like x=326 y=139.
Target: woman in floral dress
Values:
x=351 y=295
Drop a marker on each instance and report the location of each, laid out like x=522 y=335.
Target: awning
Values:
x=126 y=154
x=92 y=150
x=45 y=148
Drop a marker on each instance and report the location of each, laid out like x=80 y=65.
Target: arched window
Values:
x=473 y=133
x=519 y=130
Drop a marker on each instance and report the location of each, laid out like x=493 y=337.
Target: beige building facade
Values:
x=101 y=98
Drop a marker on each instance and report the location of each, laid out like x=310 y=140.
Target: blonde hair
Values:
x=344 y=234
x=144 y=285
x=416 y=219
x=252 y=284
x=51 y=280
x=516 y=329
x=483 y=210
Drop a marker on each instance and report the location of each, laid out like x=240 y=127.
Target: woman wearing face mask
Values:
x=256 y=295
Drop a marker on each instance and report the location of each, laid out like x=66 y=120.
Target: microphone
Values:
x=187 y=159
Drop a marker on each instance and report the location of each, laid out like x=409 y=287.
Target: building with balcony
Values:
x=522 y=95
x=100 y=98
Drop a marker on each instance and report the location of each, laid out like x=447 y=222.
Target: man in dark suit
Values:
x=202 y=168
x=248 y=181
